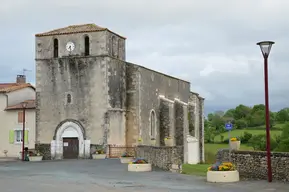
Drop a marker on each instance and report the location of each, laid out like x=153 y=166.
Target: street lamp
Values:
x=265 y=47
x=24 y=105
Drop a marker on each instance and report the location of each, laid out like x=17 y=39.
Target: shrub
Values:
x=283 y=146
x=246 y=137
x=258 y=142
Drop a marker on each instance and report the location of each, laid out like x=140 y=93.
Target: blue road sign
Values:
x=229 y=126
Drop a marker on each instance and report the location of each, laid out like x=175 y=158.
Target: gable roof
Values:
x=84 y=28
x=30 y=105
x=9 y=87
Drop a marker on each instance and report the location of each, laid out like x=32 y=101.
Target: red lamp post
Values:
x=265 y=47
x=24 y=104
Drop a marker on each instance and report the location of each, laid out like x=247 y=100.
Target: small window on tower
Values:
x=68 y=98
x=113 y=46
x=119 y=48
x=86 y=45
x=55 y=48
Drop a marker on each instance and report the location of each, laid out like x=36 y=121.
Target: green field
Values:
x=211 y=150
x=239 y=133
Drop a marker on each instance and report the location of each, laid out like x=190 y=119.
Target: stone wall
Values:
x=179 y=123
x=164 y=120
x=44 y=149
x=132 y=104
x=196 y=107
x=163 y=157
x=253 y=164
x=201 y=129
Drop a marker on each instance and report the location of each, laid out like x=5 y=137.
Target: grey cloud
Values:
x=210 y=43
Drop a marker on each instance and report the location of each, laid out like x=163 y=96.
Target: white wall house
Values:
x=11 y=117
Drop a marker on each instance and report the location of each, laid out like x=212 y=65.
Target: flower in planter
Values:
x=33 y=154
x=126 y=154
x=139 y=140
x=167 y=138
x=139 y=161
x=99 y=151
x=234 y=139
x=225 y=166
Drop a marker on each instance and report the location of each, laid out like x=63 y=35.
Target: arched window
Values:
x=113 y=46
x=153 y=124
x=55 y=48
x=86 y=45
x=68 y=98
x=119 y=48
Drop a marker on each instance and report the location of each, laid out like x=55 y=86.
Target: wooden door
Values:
x=70 y=148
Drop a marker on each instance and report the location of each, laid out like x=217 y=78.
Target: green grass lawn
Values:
x=240 y=132
x=199 y=169
x=277 y=125
x=211 y=150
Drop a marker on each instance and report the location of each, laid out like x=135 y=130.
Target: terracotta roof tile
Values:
x=85 y=28
x=9 y=87
x=30 y=105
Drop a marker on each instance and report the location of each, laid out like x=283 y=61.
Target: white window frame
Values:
x=15 y=135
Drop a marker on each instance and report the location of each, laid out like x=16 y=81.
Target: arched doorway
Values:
x=69 y=140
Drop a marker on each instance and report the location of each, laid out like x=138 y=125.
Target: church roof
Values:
x=84 y=28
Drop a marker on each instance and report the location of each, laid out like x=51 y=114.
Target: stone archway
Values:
x=69 y=129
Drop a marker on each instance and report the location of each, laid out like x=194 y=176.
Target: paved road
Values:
x=110 y=175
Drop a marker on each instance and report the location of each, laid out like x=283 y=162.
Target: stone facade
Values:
x=253 y=164
x=197 y=120
x=165 y=121
x=163 y=157
x=93 y=94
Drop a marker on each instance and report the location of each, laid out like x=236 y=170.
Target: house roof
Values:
x=30 y=105
x=84 y=28
x=9 y=87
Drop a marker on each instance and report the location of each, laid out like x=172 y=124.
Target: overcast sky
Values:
x=211 y=43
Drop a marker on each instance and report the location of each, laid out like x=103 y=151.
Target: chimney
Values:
x=21 y=79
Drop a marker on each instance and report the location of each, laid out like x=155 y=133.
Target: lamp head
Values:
x=24 y=104
x=265 y=47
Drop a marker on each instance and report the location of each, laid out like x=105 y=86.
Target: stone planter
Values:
x=126 y=159
x=169 y=142
x=235 y=145
x=140 y=142
x=35 y=158
x=223 y=176
x=98 y=156
x=139 y=167
x=153 y=142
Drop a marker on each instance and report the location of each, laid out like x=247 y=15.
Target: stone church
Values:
x=88 y=94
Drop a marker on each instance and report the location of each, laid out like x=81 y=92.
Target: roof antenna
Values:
x=24 y=70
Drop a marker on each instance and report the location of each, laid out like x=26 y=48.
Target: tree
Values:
x=218 y=123
x=282 y=115
x=210 y=133
x=241 y=124
x=284 y=139
x=241 y=111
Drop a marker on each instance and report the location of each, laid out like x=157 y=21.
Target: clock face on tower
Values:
x=70 y=46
